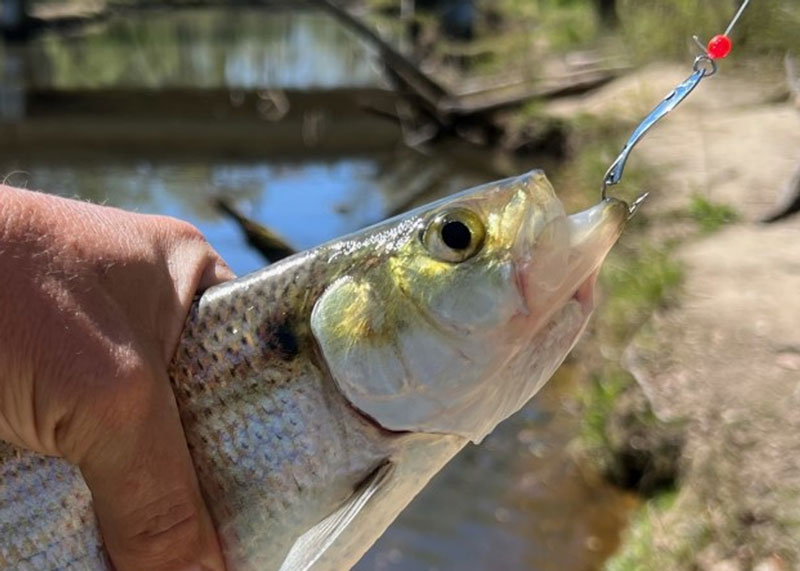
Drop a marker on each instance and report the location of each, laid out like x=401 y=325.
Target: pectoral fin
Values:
x=310 y=546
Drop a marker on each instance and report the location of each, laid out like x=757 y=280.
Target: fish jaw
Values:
x=563 y=260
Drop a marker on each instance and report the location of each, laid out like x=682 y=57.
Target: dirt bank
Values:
x=725 y=359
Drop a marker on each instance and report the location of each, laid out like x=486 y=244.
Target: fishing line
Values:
x=705 y=65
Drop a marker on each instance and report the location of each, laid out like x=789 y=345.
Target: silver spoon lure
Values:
x=704 y=65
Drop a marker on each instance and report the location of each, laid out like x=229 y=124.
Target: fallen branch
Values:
x=261 y=238
x=406 y=71
x=471 y=115
x=497 y=99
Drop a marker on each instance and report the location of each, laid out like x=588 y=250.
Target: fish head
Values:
x=452 y=317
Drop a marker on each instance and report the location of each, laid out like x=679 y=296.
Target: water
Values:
x=519 y=501
x=307 y=203
x=201 y=48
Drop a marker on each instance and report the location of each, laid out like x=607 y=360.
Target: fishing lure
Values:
x=705 y=65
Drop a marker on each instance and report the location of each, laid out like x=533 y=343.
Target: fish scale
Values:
x=41 y=534
x=281 y=402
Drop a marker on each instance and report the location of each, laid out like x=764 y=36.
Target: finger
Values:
x=145 y=491
x=215 y=272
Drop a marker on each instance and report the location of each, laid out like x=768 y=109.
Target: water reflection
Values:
x=206 y=48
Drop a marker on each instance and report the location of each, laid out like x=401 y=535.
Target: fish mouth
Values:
x=566 y=256
x=593 y=232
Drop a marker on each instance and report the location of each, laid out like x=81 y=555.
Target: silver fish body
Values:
x=320 y=395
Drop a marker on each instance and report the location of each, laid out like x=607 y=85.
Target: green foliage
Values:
x=710 y=216
x=636 y=284
x=569 y=25
x=663 y=28
x=640 y=549
x=558 y=25
x=598 y=404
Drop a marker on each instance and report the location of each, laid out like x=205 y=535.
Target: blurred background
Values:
x=667 y=440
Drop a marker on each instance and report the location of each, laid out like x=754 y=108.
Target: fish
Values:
x=320 y=394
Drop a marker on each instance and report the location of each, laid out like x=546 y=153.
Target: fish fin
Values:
x=310 y=546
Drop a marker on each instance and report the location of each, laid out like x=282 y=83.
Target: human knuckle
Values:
x=182 y=230
x=169 y=231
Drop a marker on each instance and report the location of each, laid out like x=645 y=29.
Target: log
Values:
x=501 y=98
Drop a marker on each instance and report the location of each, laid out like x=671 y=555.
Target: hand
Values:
x=92 y=303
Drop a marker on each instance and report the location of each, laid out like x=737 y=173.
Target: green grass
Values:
x=561 y=25
x=663 y=28
x=636 y=283
x=639 y=547
x=710 y=216
x=598 y=402
x=640 y=550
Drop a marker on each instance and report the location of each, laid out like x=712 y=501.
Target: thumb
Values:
x=145 y=491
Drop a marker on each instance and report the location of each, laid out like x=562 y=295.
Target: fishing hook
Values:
x=704 y=65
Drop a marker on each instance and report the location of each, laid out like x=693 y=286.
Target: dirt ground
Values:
x=726 y=358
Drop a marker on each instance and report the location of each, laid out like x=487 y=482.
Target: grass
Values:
x=598 y=401
x=566 y=24
x=640 y=548
x=636 y=283
x=664 y=28
x=556 y=25
x=710 y=216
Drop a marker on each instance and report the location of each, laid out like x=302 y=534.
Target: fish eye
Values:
x=454 y=235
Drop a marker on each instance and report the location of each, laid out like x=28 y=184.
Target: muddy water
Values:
x=516 y=502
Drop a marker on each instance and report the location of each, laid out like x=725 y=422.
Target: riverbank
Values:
x=719 y=358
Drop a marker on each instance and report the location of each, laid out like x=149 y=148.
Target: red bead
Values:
x=719 y=47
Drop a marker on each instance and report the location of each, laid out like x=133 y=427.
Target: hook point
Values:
x=636 y=204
